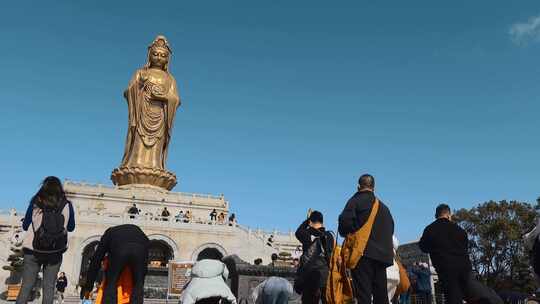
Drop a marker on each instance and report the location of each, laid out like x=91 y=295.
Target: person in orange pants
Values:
x=125 y=246
x=124 y=286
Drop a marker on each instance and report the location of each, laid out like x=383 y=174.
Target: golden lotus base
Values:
x=143 y=176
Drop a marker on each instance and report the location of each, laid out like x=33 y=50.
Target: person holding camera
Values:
x=317 y=244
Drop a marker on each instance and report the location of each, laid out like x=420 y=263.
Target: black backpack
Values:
x=51 y=236
x=316 y=257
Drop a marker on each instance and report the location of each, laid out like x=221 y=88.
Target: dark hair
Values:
x=316 y=217
x=258 y=261
x=366 y=181
x=442 y=209
x=211 y=300
x=51 y=194
x=274 y=257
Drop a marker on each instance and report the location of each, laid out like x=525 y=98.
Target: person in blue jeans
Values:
x=49 y=216
x=274 y=290
x=423 y=283
x=405 y=298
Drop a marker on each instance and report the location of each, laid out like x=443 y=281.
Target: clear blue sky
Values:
x=285 y=103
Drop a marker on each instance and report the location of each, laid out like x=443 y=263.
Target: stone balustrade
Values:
x=85 y=189
x=282 y=241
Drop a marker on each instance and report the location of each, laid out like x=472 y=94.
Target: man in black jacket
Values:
x=369 y=276
x=447 y=245
x=125 y=245
x=317 y=244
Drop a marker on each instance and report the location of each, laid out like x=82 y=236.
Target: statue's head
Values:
x=159 y=53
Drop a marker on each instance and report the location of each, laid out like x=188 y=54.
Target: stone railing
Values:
x=151 y=221
x=282 y=241
x=178 y=196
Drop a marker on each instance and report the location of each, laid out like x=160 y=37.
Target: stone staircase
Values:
x=5 y=234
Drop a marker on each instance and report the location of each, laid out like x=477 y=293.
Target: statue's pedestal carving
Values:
x=143 y=176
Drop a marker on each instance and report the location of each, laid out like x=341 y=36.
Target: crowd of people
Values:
x=369 y=256
x=366 y=268
x=182 y=217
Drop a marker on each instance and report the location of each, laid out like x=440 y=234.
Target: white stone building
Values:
x=98 y=207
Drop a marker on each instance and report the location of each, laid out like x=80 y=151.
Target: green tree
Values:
x=496 y=246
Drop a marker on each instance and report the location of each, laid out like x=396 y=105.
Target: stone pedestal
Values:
x=143 y=176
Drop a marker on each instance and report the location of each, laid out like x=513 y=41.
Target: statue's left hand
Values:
x=158 y=92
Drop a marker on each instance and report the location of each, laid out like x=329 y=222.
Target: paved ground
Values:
x=75 y=300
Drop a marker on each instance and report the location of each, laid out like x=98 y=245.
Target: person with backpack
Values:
x=49 y=218
x=312 y=273
x=368 y=227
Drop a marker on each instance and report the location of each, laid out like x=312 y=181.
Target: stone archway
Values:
x=88 y=246
x=87 y=254
x=159 y=253
x=208 y=251
x=168 y=241
x=162 y=250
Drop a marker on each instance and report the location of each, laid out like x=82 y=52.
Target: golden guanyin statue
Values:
x=152 y=98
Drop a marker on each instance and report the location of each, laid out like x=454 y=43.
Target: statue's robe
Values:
x=150 y=119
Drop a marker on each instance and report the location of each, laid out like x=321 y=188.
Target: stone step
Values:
x=76 y=300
